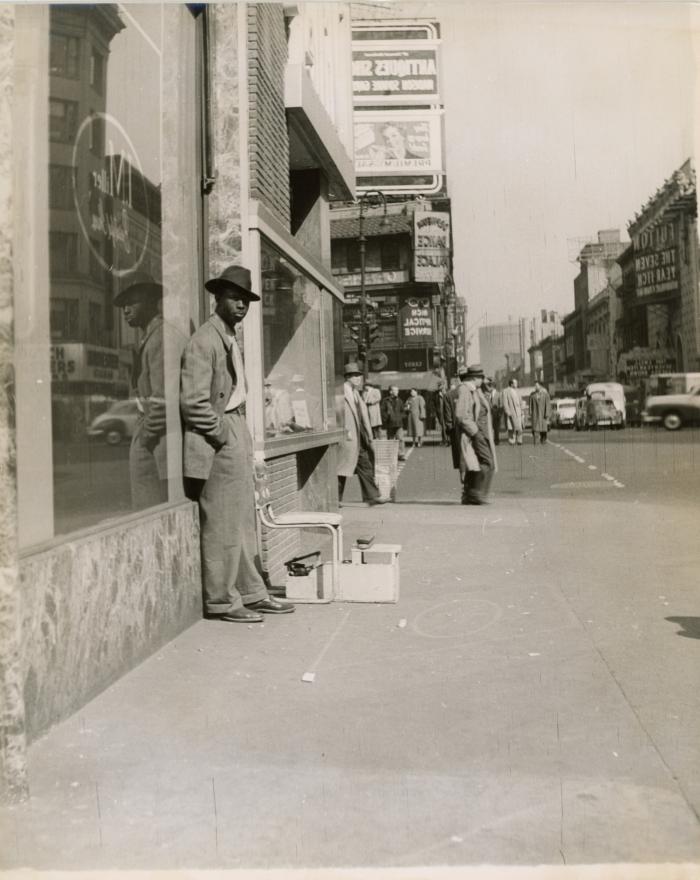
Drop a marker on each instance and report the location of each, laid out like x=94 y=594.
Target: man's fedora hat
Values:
x=353 y=369
x=138 y=285
x=476 y=371
x=233 y=277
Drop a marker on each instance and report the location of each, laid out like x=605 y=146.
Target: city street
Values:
x=531 y=699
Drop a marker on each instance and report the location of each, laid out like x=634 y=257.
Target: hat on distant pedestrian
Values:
x=138 y=285
x=352 y=369
x=475 y=372
x=232 y=278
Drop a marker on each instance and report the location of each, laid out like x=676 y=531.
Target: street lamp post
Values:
x=370 y=199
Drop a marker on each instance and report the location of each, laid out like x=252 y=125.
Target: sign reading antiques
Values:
x=656 y=260
x=394 y=71
x=417 y=320
x=431 y=245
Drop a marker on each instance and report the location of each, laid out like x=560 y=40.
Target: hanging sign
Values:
x=431 y=231
x=397 y=142
x=395 y=71
x=417 y=320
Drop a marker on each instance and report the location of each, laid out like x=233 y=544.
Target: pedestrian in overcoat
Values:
x=218 y=457
x=392 y=419
x=513 y=410
x=477 y=461
x=415 y=407
x=540 y=413
x=356 y=454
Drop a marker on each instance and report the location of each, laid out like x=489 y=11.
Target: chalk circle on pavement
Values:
x=456 y=618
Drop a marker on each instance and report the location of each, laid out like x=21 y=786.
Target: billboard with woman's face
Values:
x=398 y=142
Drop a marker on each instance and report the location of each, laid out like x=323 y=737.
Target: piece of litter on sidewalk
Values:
x=308 y=676
x=534 y=654
x=616 y=755
x=592 y=467
x=456 y=839
x=402 y=622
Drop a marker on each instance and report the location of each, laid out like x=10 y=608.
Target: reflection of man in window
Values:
x=395 y=140
x=140 y=300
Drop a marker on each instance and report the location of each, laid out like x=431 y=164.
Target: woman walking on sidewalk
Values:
x=415 y=407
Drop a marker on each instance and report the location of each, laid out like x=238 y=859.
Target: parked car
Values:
x=115 y=424
x=615 y=393
x=601 y=412
x=671 y=383
x=673 y=410
x=563 y=412
x=580 y=419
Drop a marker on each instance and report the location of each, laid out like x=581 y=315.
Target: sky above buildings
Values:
x=561 y=118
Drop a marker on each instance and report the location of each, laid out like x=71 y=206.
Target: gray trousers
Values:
x=227 y=521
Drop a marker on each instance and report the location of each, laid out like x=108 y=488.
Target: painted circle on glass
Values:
x=111 y=194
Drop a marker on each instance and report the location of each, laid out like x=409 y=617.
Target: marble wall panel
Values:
x=13 y=775
x=225 y=201
x=95 y=607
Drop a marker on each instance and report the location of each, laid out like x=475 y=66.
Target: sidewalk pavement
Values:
x=511 y=719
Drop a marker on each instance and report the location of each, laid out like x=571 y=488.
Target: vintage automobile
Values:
x=116 y=424
x=673 y=410
x=563 y=412
x=601 y=412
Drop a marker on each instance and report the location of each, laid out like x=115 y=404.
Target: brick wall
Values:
x=269 y=140
x=279 y=545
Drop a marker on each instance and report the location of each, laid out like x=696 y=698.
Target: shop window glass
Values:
x=64 y=56
x=293 y=351
x=390 y=254
x=97 y=72
x=60 y=187
x=63 y=120
x=133 y=136
x=63 y=253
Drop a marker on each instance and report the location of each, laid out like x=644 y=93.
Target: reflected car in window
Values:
x=115 y=424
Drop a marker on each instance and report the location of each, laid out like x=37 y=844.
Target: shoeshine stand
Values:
x=370 y=575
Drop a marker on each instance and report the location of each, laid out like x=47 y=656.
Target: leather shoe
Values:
x=271 y=606
x=374 y=501
x=240 y=615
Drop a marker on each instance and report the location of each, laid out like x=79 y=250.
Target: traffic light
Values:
x=354 y=330
x=374 y=331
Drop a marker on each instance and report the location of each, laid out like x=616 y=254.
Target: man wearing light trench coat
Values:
x=356 y=454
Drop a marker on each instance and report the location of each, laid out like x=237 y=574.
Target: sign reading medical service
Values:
x=398 y=142
x=394 y=72
x=656 y=260
x=431 y=237
x=417 y=320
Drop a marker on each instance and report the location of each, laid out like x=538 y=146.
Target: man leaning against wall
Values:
x=218 y=457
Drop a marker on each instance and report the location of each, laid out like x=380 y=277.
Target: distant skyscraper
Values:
x=495 y=342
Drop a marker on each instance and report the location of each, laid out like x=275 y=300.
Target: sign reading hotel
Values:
x=417 y=320
x=431 y=245
x=656 y=260
x=395 y=71
x=397 y=143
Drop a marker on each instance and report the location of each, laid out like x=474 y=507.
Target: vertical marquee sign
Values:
x=431 y=245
